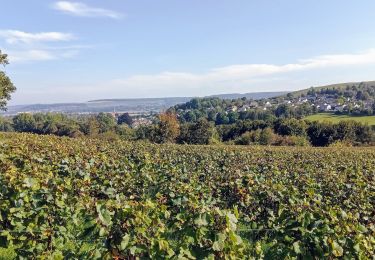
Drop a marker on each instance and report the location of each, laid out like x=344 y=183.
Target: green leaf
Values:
x=103 y=214
x=297 y=248
x=218 y=246
x=362 y=228
x=30 y=182
x=337 y=250
x=201 y=220
x=124 y=242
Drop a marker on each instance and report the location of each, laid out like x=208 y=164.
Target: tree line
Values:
x=167 y=128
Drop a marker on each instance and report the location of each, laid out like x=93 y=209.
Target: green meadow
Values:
x=370 y=120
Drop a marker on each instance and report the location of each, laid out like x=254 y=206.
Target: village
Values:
x=319 y=102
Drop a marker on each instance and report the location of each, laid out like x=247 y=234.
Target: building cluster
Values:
x=330 y=103
x=321 y=102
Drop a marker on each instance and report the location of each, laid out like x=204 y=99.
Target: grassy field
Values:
x=370 y=120
x=63 y=198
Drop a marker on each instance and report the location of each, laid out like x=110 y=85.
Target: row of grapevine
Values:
x=64 y=198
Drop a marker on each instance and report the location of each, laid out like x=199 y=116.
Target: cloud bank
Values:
x=81 y=9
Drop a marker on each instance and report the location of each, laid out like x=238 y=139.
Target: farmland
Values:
x=94 y=199
x=370 y=120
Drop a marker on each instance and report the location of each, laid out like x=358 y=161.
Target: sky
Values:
x=75 y=51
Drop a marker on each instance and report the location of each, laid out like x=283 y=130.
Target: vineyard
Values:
x=65 y=198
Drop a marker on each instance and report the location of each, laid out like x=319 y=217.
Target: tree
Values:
x=222 y=119
x=233 y=117
x=5 y=125
x=6 y=85
x=249 y=137
x=145 y=132
x=125 y=132
x=125 y=119
x=24 y=123
x=106 y=122
x=291 y=127
x=283 y=111
x=346 y=131
x=321 y=134
x=201 y=132
x=212 y=115
x=90 y=126
x=168 y=128
x=311 y=91
x=266 y=136
x=190 y=116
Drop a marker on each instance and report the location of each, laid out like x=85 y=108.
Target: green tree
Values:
x=125 y=119
x=201 y=132
x=283 y=111
x=5 y=125
x=90 y=126
x=190 y=116
x=266 y=136
x=233 y=117
x=125 y=132
x=222 y=119
x=6 y=85
x=321 y=134
x=106 y=122
x=24 y=122
x=291 y=127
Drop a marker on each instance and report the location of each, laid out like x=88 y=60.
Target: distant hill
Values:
x=339 y=86
x=132 y=105
x=144 y=105
x=147 y=105
x=254 y=95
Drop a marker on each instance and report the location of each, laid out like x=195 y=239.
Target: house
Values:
x=232 y=109
x=141 y=121
x=339 y=108
x=253 y=104
x=327 y=107
x=243 y=109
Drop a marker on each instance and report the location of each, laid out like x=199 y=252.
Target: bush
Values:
x=250 y=137
x=290 y=141
x=266 y=136
x=341 y=144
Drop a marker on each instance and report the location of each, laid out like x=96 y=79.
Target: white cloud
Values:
x=244 y=73
x=81 y=9
x=31 y=55
x=27 y=47
x=25 y=56
x=14 y=36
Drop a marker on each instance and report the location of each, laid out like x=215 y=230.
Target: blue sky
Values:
x=72 y=51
